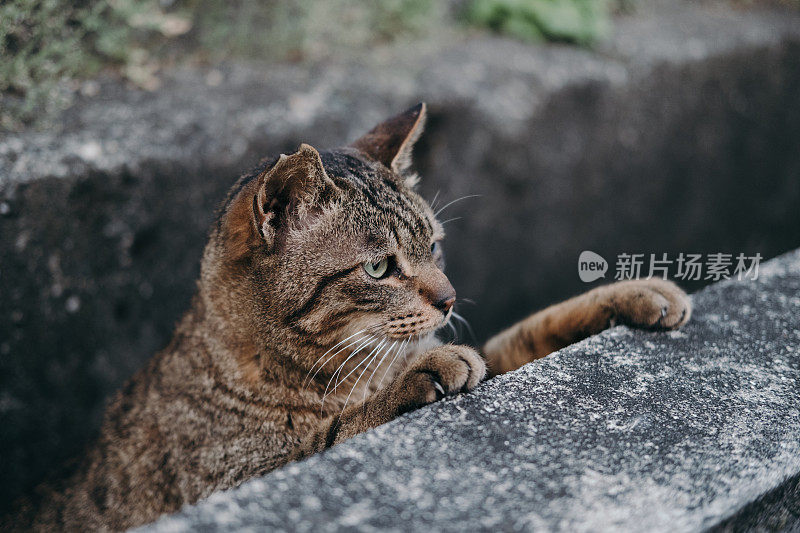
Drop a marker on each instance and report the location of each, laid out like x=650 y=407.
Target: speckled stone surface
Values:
x=689 y=107
x=628 y=430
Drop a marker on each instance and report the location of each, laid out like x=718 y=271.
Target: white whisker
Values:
x=455 y=333
x=448 y=204
x=433 y=202
x=369 y=340
x=337 y=352
x=362 y=373
x=380 y=362
x=362 y=330
x=307 y=380
x=363 y=345
x=464 y=321
x=374 y=350
x=355 y=352
x=398 y=352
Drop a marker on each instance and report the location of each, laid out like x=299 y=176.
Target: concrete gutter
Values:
x=627 y=431
x=679 y=134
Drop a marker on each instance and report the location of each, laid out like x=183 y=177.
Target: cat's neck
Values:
x=269 y=358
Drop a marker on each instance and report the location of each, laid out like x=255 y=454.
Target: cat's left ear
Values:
x=391 y=142
x=289 y=192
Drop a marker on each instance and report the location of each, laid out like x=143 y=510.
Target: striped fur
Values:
x=290 y=346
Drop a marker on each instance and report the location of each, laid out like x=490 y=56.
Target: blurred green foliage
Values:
x=45 y=45
x=576 y=21
x=298 y=29
x=46 y=42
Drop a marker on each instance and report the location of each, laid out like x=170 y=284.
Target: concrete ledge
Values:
x=628 y=430
x=681 y=134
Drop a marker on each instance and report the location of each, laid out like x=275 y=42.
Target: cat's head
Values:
x=322 y=245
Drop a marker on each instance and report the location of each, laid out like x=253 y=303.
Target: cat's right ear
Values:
x=392 y=141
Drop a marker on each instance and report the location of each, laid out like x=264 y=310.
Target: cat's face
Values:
x=329 y=245
x=368 y=259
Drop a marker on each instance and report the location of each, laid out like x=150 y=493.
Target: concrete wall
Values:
x=630 y=430
x=680 y=134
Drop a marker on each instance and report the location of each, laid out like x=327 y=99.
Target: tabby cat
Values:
x=320 y=292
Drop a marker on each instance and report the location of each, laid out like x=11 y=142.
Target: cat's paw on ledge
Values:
x=443 y=371
x=649 y=303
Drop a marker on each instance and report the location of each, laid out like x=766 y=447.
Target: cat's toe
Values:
x=678 y=309
x=651 y=304
x=444 y=371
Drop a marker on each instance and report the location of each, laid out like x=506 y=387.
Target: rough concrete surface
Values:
x=678 y=134
x=628 y=430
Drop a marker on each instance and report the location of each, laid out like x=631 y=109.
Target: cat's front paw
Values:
x=647 y=303
x=442 y=371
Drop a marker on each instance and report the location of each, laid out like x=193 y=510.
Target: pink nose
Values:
x=436 y=289
x=445 y=304
x=442 y=296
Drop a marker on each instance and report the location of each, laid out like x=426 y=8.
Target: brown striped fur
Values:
x=239 y=391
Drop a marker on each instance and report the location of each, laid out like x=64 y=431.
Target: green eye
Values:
x=377 y=270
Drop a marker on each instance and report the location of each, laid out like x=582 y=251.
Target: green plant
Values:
x=576 y=21
x=280 y=29
x=46 y=42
